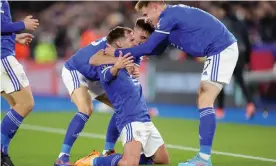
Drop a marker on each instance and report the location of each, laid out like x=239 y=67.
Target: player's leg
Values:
x=15 y=89
x=82 y=99
x=161 y=156
x=112 y=133
x=130 y=157
x=218 y=71
x=134 y=136
x=220 y=107
x=132 y=147
x=155 y=150
x=112 y=136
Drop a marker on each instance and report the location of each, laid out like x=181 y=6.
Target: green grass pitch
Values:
x=34 y=147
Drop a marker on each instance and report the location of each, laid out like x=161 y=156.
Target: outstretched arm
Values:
x=100 y=58
x=160 y=36
x=12 y=27
x=147 y=48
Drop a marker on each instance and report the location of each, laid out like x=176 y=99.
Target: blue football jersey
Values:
x=125 y=94
x=189 y=29
x=8 y=30
x=80 y=60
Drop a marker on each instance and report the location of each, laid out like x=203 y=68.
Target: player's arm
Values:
x=158 y=37
x=161 y=47
x=146 y=48
x=100 y=58
x=24 y=38
x=11 y=27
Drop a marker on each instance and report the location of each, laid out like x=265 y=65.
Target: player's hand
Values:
x=124 y=61
x=110 y=50
x=24 y=38
x=30 y=23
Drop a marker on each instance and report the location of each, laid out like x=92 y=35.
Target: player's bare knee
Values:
x=86 y=110
x=25 y=106
x=207 y=93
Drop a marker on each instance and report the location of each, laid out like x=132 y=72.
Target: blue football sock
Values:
x=111 y=160
x=9 y=126
x=75 y=127
x=207 y=129
x=112 y=134
x=145 y=160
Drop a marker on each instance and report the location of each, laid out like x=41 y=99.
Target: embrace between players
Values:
x=107 y=70
x=85 y=81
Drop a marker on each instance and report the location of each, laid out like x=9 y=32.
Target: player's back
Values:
x=125 y=94
x=7 y=39
x=197 y=32
x=80 y=60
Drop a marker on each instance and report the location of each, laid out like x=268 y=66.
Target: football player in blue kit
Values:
x=82 y=81
x=15 y=88
x=198 y=34
x=138 y=133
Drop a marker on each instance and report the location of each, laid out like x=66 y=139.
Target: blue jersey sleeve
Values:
x=10 y=27
x=147 y=48
x=105 y=74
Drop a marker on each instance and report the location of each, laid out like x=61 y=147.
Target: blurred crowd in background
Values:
x=67 y=26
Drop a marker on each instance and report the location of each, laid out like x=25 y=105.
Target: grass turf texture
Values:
x=34 y=148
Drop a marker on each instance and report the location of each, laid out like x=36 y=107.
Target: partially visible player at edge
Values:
x=138 y=133
x=82 y=82
x=15 y=87
x=199 y=34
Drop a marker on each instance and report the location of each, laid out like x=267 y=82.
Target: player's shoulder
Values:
x=101 y=41
x=173 y=11
x=95 y=46
x=180 y=8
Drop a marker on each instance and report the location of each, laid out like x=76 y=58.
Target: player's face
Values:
x=127 y=41
x=140 y=36
x=151 y=13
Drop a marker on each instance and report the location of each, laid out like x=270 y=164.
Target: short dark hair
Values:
x=141 y=23
x=141 y=3
x=117 y=33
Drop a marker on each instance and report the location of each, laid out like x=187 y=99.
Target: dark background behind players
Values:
x=67 y=26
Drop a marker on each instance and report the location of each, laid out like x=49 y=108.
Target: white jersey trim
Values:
x=162 y=32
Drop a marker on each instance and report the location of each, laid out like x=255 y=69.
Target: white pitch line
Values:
x=178 y=147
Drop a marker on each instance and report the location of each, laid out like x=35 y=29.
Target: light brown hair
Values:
x=141 y=3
